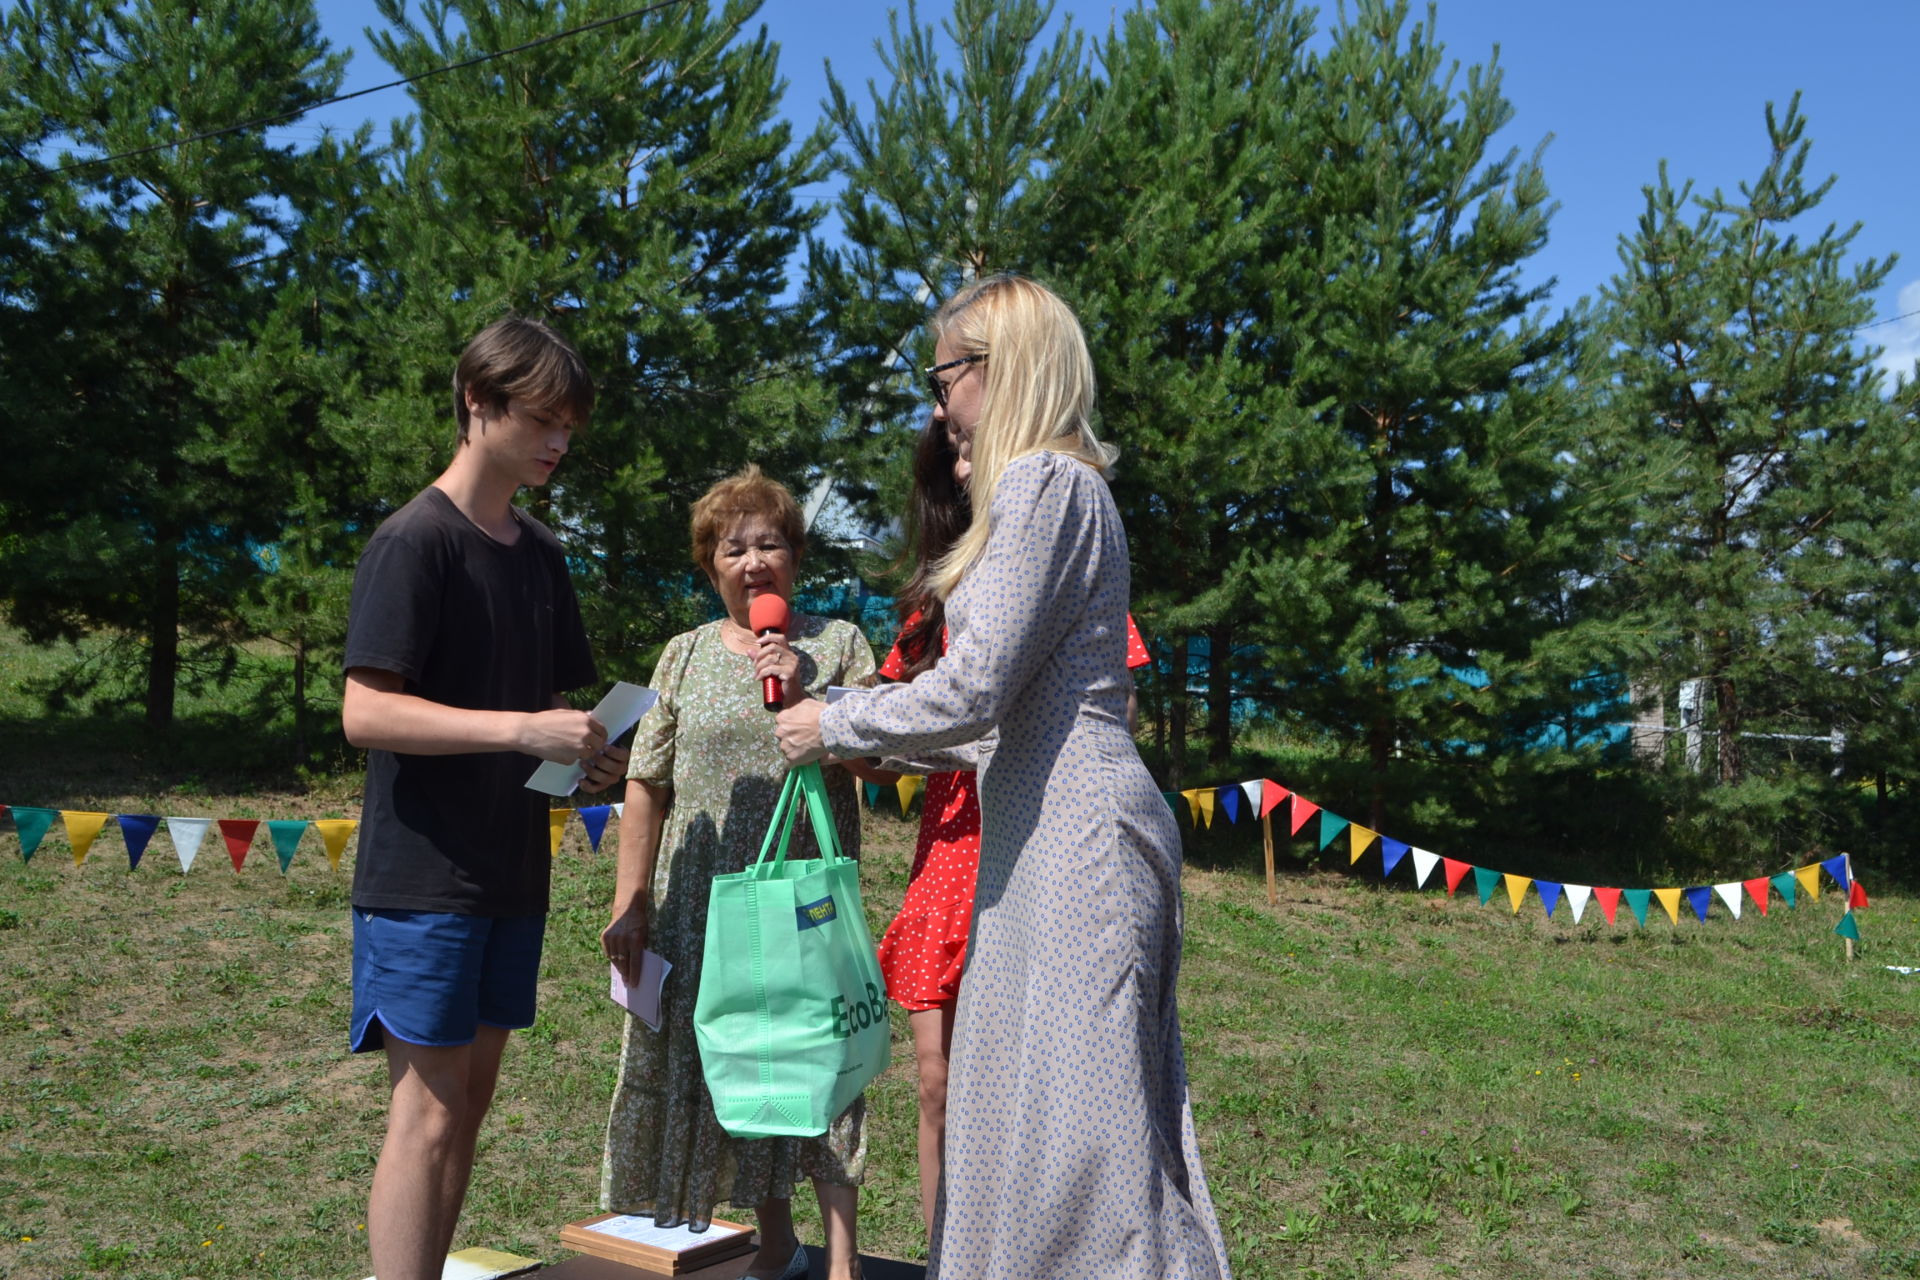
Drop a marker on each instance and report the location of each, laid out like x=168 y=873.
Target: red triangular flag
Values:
x=1759 y=889
x=1271 y=794
x=1609 y=901
x=1456 y=872
x=1856 y=896
x=238 y=833
x=1303 y=809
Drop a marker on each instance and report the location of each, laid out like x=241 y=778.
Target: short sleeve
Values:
x=1137 y=655
x=572 y=656
x=395 y=610
x=654 y=737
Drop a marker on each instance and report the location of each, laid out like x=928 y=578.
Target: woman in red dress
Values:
x=924 y=950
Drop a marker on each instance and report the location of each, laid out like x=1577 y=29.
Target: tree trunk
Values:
x=163 y=629
x=300 y=701
x=1219 y=693
x=1177 y=696
x=1726 y=704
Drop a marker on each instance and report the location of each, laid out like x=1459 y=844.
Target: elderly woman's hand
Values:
x=773 y=656
x=797 y=729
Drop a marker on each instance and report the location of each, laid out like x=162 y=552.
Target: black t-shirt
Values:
x=467 y=622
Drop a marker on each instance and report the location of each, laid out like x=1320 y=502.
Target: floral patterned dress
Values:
x=710 y=739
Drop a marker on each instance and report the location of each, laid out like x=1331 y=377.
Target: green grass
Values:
x=1386 y=1082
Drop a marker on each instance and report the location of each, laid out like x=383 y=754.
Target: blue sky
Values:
x=1613 y=88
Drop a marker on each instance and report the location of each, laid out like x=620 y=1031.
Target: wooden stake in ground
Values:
x=1266 y=836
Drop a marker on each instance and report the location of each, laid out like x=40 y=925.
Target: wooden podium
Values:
x=588 y=1267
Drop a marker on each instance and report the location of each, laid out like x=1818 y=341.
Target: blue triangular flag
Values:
x=136 y=829
x=1698 y=898
x=1391 y=851
x=1229 y=798
x=594 y=818
x=1549 y=892
x=1836 y=867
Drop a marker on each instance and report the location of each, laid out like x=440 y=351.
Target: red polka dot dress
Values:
x=924 y=950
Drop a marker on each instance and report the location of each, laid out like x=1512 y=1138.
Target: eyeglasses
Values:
x=938 y=386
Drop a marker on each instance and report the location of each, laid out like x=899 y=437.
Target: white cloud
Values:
x=1902 y=337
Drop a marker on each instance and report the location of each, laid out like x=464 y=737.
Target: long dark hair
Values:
x=937 y=514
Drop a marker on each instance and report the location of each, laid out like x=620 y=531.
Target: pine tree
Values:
x=1770 y=556
x=120 y=509
x=635 y=187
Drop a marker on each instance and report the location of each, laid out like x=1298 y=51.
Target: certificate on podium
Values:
x=668 y=1251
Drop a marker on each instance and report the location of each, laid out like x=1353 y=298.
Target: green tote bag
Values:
x=791 y=1018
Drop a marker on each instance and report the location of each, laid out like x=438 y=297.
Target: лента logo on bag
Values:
x=814 y=914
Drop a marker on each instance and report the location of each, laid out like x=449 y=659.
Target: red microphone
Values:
x=768 y=613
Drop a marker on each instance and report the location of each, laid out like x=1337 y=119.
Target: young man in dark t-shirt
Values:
x=462 y=636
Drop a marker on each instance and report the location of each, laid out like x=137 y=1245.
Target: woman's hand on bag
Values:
x=797 y=730
x=625 y=939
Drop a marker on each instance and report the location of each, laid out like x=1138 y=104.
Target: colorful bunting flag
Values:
x=1391 y=851
x=556 y=830
x=1253 y=791
x=137 y=830
x=333 y=837
x=1836 y=866
x=1331 y=825
x=1516 y=890
x=32 y=825
x=1271 y=794
x=1848 y=927
x=82 y=827
x=1577 y=896
x=1757 y=890
x=1302 y=809
x=186 y=834
x=1359 y=839
x=908 y=786
x=1638 y=899
x=1205 y=798
x=238 y=833
x=1729 y=893
x=1700 y=898
x=1788 y=887
x=594 y=818
x=1809 y=878
x=286 y=834
x=1857 y=896
x=1171 y=797
x=1423 y=865
x=1486 y=880
x=1456 y=872
x=1609 y=901
x=620 y=808
x=1228 y=798
x=1549 y=895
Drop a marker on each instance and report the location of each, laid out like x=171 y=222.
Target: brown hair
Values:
x=937 y=514
x=515 y=358
x=744 y=494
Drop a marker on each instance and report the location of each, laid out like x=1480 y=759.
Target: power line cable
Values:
x=297 y=112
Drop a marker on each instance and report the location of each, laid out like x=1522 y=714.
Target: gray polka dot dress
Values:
x=1070 y=1142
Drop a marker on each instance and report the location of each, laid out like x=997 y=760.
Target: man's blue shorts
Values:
x=431 y=978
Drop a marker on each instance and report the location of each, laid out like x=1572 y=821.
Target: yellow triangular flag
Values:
x=1205 y=795
x=557 y=829
x=1809 y=878
x=333 y=834
x=908 y=787
x=1516 y=889
x=82 y=827
x=1670 y=899
x=1358 y=838
x=1193 y=807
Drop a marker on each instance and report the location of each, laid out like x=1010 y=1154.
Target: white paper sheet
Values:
x=642 y=999
x=835 y=692
x=641 y=1230
x=618 y=712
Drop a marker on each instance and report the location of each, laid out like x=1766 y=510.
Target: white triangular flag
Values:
x=186 y=834
x=1577 y=895
x=620 y=809
x=1730 y=894
x=1252 y=790
x=1423 y=865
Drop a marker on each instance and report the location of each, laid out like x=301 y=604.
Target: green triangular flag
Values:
x=286 y=833
x=1638 y=900
x=32 y=824
x=1847 y=928
x=1787 y=886
x=1331 y=827
x=1173 y=801
x=1485 y=880
x=873 y=793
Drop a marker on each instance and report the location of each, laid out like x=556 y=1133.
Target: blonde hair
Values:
x=1037 y=397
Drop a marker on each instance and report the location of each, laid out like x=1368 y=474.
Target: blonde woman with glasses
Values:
x=1070 y=1146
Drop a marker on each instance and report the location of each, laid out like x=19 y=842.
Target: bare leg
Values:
x=840 y=1211
x=438 y=1097
x=932 y=1041
x=777 y=1239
